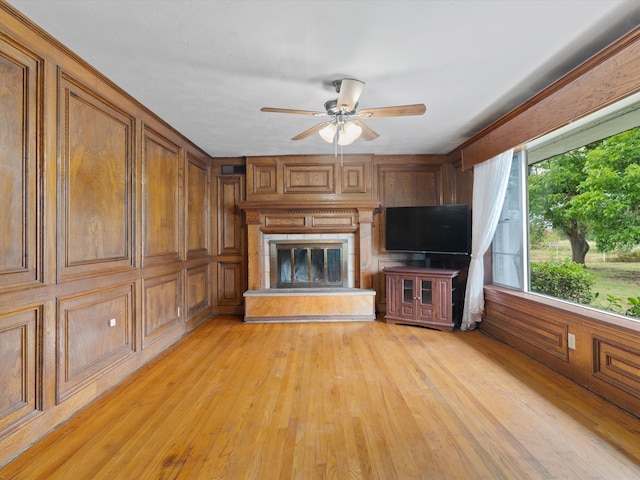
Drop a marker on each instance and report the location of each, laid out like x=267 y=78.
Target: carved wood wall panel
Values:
x=356 y=178
x=162 y=300
x=301 y=178
x=19 y=243
x=264 y=180
x=95 y=183
x=403 y=185
x=409 y=185
x=198 y=290
x=310 y=178
x=161 y=170
x=550 y=337
x=617 y=362
x=21 y=372
x=229 y=216
x=463 y=185
x=95 y=330
x=230 y=284
x=198 y=207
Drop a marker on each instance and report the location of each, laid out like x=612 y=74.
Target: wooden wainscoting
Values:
x=348 y=400
x=607 y=354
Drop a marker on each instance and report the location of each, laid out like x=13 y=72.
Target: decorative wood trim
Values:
x=607 y=77
x=309 y=177
x=617 y=363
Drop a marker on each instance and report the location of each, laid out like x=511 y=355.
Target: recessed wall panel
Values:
x=162 y=302
x=95 y=331
x=19 y=243
x=20 y=374
x=95 y=184
x=198 y=208
x=161 y=199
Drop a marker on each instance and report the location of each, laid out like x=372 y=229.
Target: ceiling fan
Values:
x=344 y=125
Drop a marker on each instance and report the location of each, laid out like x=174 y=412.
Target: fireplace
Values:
x=309 y=262
x=283 y=253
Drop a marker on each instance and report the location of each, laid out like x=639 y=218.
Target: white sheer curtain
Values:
x=490 y=181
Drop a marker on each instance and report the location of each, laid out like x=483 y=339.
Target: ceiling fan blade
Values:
x=297 y=112
x=367 y=133
x=311 y=131
x=397 y=111
x=350 y=90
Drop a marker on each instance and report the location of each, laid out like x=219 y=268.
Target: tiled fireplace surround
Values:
x=275 y=221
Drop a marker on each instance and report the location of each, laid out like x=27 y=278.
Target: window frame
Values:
x=606 y=122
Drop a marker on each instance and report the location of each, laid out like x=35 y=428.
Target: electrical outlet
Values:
x=112 y=322
x=571 y=341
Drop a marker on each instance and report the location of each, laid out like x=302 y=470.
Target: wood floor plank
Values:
x=352 y=400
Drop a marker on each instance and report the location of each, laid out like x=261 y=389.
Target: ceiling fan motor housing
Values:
x=331 y=106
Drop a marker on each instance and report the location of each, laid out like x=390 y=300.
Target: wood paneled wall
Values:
x=106 y=246
x=392 y=180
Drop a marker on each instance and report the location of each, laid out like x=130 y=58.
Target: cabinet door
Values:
x=444 y=314
x=426 y=294
x=408 y=297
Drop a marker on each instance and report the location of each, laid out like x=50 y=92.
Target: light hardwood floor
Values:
x=341 y=401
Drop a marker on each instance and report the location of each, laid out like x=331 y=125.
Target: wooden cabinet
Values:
x=423 y=296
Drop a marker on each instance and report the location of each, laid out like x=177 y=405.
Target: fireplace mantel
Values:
x=263 y=217
x=290 y=214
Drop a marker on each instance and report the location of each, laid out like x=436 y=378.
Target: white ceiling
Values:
x=206 y=67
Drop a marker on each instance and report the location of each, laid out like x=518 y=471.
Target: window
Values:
x=508 y=241
x=570 y=224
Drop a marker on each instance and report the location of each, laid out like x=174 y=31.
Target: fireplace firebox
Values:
x=308 y=264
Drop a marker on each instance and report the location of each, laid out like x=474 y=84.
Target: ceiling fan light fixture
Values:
x=339 y=129
x=328 y=133
x=348 y=133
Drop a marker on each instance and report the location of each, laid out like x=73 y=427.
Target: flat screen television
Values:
x=438 y=229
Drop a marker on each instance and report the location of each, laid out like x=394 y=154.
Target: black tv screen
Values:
x=429 y=229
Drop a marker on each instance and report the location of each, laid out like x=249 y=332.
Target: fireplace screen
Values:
x=308 y=264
